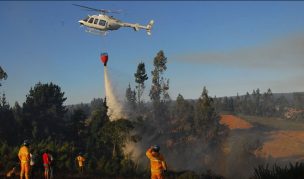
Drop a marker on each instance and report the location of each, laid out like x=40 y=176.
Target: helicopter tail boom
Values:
x=137 y=27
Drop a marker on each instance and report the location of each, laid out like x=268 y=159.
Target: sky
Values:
x=228 y=46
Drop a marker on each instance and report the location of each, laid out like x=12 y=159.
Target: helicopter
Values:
x=102 y=23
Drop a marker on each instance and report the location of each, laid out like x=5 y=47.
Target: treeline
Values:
x=261 y=104
x=46 y=122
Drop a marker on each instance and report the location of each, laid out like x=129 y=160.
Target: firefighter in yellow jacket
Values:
x=80 y=159
x=157 y=162
x=24 y=157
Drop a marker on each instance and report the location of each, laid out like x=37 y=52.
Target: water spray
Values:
x=115 y=108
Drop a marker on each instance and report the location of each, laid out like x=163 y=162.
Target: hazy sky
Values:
x=228 y=47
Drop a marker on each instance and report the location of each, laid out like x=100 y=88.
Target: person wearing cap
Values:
x=24 y=157
x=157 y=162
x=80 y=159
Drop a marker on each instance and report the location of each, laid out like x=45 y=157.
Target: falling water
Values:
x=115 y=110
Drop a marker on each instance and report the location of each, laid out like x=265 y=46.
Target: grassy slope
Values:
x=275 y=123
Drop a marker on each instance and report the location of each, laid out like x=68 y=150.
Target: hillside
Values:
x=279 y=139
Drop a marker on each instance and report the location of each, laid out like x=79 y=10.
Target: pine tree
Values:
x=44 y=111
x=206 y=119
x=268 y=106
x=131 y=97
x=183 y=114
x=3 y=75
x=8 y=124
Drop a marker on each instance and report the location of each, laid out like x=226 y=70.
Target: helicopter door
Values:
x=102 y=22
x=95 y=21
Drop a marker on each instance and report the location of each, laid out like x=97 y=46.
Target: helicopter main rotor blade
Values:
x=98 y=10
x=87 y=7
x=114 y=11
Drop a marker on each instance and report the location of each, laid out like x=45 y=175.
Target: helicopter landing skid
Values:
x=97 y=32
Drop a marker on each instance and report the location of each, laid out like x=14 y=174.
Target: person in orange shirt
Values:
x=24 y=157
x=80 y=158
x=157 y=162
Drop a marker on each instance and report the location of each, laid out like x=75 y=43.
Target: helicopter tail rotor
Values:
x=149 y=27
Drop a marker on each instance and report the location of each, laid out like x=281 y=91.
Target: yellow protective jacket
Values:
x=24 y=154
x=157 y=162
x=80 y=160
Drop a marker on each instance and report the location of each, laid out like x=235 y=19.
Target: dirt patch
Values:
x=234 y=122
x=284 y=144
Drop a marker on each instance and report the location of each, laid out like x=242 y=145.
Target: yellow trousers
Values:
x=157 y=176
x=25 y=168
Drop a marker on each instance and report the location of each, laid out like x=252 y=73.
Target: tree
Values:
x=268 y=106
x=206 y=119
x=182 y=114
x=237 y=104
x=298 y=99
x=44 y=112
x=99 y=117
x=246 y=104
x=78 y=125
x=131 y=97
x=116 y=134
x=280 y=104
x=228 y=104
x=160 y=86
x=140 y=78
x=8 y=125
x=3 y=75
x=18 y=115
x=97 y=103
x=256 y=95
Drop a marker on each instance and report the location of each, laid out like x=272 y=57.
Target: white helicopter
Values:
x=102 y=23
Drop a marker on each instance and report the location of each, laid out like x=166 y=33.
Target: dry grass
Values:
x=234 y=122
x=276 y=123
x=284 y=144
x=285 y=139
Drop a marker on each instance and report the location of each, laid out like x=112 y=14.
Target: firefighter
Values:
x=24 y=157
x=157 y=162
x=80 y=159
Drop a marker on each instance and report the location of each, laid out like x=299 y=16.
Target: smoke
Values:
x=277 y=54
x=232 y=156
x=115 y=110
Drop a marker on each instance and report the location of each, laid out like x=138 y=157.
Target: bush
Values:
x=293 y=171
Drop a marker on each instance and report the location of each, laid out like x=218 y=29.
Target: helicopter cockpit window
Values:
x=95 y=21
x=86 y=19
x=102 y=22
x=91 y=20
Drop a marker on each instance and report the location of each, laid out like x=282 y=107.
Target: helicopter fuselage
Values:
x=101 y=22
